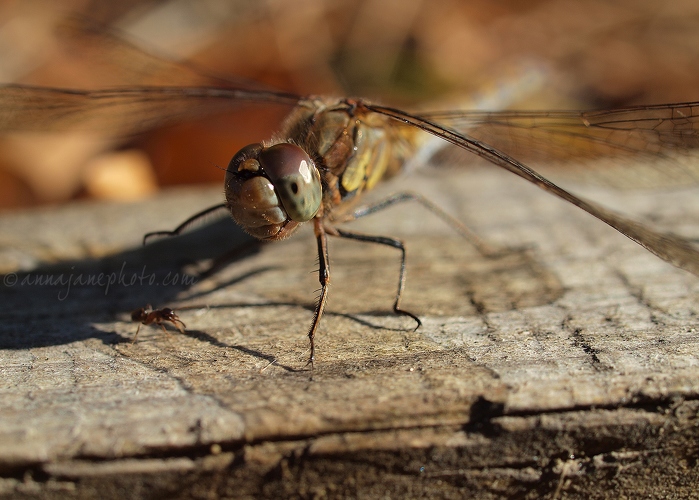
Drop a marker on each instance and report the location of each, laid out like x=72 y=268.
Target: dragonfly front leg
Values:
x=186 y=224
x=324 y=278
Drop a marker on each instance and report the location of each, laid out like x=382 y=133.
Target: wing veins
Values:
x=670 y=248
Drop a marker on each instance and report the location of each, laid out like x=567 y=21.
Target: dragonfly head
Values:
x=271 y=190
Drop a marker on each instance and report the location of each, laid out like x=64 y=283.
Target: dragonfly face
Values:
x=270 y=190
x=329 y=151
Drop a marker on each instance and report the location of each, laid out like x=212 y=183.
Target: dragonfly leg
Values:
x=401 y=197
x=220 y=261
x=179 y=229
x=324 y=278
x=391 y=242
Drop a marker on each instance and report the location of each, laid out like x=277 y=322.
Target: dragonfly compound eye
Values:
x=250 y=196
x=295 y=178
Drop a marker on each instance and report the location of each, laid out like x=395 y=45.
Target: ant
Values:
x=148 y=316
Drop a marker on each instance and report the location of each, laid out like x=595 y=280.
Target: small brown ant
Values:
x=148 y=316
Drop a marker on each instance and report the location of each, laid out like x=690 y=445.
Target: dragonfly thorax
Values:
x=271 y=190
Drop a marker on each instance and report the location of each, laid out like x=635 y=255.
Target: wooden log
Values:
x=564 y=368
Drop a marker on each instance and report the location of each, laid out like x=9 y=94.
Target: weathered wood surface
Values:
x=569 y=370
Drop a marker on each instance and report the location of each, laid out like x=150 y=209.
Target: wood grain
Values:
x=565 y=368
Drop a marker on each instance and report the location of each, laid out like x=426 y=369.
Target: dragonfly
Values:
x=330 y=151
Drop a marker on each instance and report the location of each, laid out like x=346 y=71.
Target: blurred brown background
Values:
x=403 y=52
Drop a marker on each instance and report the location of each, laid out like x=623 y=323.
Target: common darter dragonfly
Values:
x=329 y=151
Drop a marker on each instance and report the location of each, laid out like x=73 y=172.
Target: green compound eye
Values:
x=295 y=178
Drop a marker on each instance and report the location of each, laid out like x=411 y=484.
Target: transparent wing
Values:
x=660 y=129
x=118 y=111
x=597 y=145
x=670 y=248
x=110 y=60
x=138 y=90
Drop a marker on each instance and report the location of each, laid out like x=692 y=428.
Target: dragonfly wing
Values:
x=119 y=111
x=106 y=58
x=144 y=90
x=599 y=146
x=672 y=249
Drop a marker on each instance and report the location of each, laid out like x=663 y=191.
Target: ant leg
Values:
x=165 y=330
x=179 y=325
x=133 y=340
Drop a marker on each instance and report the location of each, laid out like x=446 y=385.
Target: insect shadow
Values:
x=64 y=302
x=59 y=303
